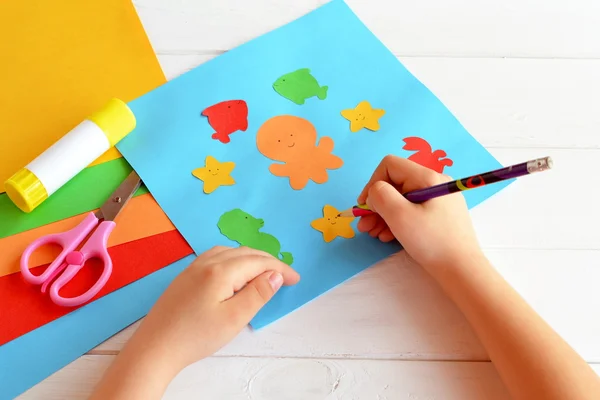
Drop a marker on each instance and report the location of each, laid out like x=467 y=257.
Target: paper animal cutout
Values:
x=431 y=159
x=299 y=85
x=227 y=117
x=243 y=228
x=292 y=140
x=215 y=174
x=332 y=226
x=363 y=116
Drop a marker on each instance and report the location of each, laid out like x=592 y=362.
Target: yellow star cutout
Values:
x=363 y=116
x=215 y=174
x=332 y=226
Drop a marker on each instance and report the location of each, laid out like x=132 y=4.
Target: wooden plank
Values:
x=176 y=27
x=394 y=310
x=472 y=28
x=502 y=102
x=296 y=379
x=551 y=210
x=518 y=102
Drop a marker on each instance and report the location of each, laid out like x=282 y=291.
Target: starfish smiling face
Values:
x=332 y=225
x=363 y=116
x=215 y=174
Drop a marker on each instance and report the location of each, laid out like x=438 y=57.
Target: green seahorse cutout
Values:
x=243 y=228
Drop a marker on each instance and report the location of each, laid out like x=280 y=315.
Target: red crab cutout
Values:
x=434 y=160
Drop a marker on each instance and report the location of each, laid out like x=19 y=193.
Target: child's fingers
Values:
x=247 y=302
x=233 y=253
x=379 y=227
x=240 y=270
x=368 y=222
x=402 y=173
x=202 y=258
x=387 y=235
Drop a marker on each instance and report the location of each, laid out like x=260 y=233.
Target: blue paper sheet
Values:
x=172 y=138
x=31 y=358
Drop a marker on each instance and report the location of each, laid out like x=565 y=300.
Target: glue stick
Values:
x=43 y=176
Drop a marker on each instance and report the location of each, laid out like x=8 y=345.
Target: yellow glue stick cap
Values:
x=115 y=119
x=25 y=190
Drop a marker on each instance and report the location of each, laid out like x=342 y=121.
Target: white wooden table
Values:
x=523 y=76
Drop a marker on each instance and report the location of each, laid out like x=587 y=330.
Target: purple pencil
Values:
x=460 y=185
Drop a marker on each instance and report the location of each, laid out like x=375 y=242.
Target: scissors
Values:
x=70 y=261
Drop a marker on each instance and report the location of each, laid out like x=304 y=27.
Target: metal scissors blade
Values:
x=119 y=198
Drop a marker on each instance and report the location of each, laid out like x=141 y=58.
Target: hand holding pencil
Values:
x=471 y=182
x=432 y=231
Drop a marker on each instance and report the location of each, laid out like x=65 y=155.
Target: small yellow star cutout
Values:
x=363 y=116
x=215 y=174
x=332 y=226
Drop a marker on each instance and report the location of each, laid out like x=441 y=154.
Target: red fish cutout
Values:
x=431 y=159
x=227 y=117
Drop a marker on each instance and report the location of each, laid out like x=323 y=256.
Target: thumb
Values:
x=387 y=201
x=248 y=301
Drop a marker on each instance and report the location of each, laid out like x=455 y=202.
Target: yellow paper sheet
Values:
x=141 y=217
x=61 y=61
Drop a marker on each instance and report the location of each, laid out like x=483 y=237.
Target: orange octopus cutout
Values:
x=293 y=140
x=332 y=225
x=425 y=156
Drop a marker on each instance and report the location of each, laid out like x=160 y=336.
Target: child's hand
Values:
x=199 y=313
x=205 y=307
x=437 y=232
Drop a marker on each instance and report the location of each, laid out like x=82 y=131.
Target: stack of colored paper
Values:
x=64 y=60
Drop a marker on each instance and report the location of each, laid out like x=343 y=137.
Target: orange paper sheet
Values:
x=53 y=79
x=140 y=218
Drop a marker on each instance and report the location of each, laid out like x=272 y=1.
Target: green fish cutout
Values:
x=299 y=85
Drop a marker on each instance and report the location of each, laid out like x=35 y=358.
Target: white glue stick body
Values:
x=47 y=173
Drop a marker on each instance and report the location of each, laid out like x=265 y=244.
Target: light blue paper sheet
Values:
x=31 y=358
x=172 y=139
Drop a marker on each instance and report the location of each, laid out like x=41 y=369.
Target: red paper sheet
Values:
x=24 y=308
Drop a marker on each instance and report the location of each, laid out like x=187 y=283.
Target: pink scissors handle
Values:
x=68 y=240
x=95 y=247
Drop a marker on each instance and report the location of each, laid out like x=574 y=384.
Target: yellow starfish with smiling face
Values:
x=363 y=116
x=215 y=174
x=332 y=225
